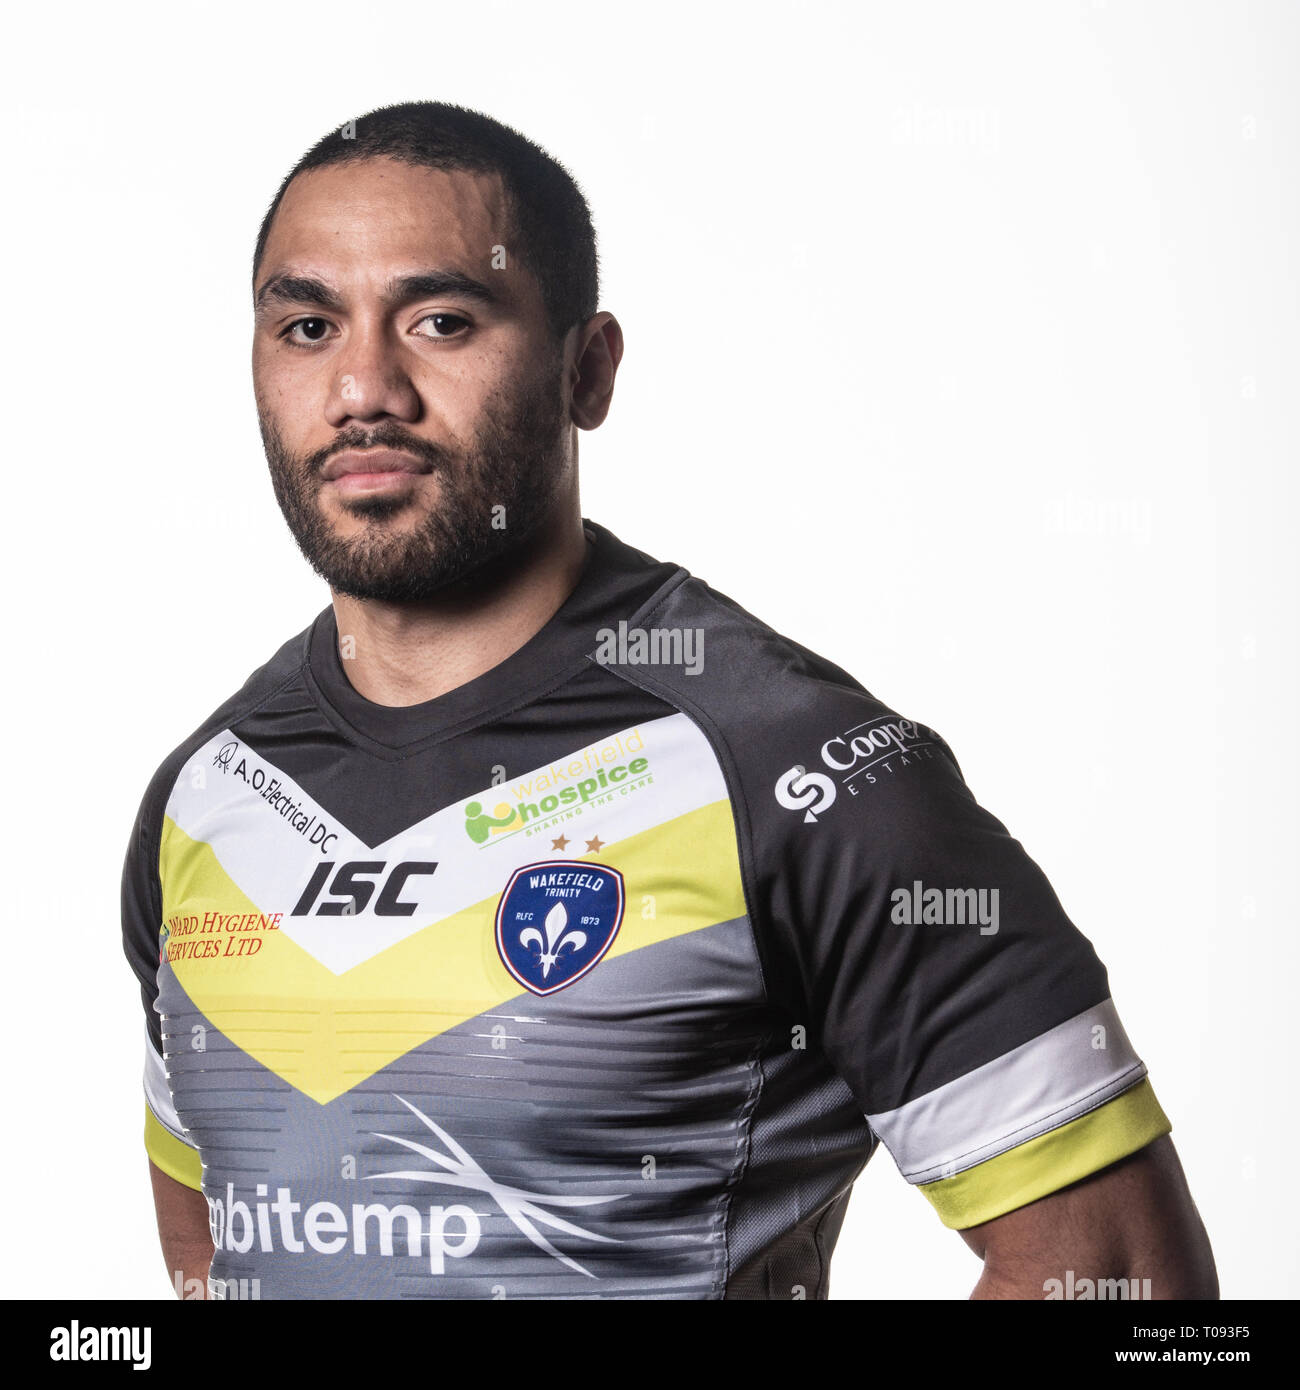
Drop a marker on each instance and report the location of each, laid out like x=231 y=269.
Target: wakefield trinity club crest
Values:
x=556 y=920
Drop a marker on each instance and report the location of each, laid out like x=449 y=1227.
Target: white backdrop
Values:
x=962 y=345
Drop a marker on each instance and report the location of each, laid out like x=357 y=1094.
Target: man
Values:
x=539 y=924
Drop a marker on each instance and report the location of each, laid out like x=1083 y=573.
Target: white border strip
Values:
x=158 y=1094
x=1031 y=1090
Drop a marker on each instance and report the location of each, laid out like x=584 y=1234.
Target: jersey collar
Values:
x=617 y=582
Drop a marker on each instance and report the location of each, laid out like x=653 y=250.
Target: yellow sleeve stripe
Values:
x=1054 y=1160
x=178 y=1160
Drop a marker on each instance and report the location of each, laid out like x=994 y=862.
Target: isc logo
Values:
x=352 y=889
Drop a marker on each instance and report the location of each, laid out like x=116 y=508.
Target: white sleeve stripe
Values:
x=1031 y=1090
x=158 y=1094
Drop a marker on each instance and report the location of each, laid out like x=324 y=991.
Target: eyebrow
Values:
x=403 y=289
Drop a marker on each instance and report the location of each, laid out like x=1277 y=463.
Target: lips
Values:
x=354 y=462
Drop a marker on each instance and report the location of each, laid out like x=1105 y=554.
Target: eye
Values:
x=313 y=329
x=445 y=325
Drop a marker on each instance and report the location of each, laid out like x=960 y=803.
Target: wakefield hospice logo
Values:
x=556 y=920
x=587 y=780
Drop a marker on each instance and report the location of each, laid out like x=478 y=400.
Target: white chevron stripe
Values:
x=233 y=810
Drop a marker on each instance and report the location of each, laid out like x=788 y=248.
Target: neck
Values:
x=407 y=653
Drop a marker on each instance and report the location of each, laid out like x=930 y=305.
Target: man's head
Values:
x=425 y=283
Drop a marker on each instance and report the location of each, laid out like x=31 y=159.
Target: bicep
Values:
x=1134 y=1219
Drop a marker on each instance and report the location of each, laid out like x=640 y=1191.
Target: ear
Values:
x=598 y=351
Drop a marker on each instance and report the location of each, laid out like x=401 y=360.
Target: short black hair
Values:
x=550 y=222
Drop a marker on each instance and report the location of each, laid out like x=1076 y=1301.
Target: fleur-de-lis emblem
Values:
x=558 y=936
x=556 y=920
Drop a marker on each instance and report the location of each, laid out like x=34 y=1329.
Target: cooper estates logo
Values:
x=858 y=758
x=809 y=792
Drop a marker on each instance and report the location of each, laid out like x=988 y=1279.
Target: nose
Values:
x=370 y=381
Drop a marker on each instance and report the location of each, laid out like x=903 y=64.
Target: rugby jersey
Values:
x=601 y=975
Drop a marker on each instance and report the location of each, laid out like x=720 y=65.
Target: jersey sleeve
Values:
x=144 y=939
x=940 y=973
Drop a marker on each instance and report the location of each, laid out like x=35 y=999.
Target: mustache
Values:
x=386 y=436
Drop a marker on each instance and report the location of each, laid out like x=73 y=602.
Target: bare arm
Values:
x=1133 y=1220
x=183 y=1231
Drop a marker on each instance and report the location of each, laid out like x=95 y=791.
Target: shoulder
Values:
x=794 y=730
x=282 y=669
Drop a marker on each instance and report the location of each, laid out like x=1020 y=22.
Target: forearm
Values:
x=1134 y=1279
x=188 y=1265
x=183 y=1233
x=1128 y=1231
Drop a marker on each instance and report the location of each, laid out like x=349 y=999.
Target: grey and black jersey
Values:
x=601 y=975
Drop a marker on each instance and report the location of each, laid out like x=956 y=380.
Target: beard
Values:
x=491 y=499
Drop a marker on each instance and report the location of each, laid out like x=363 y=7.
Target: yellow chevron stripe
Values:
x=325 y=1033
x=1052 y=1161
x=176 y=1159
